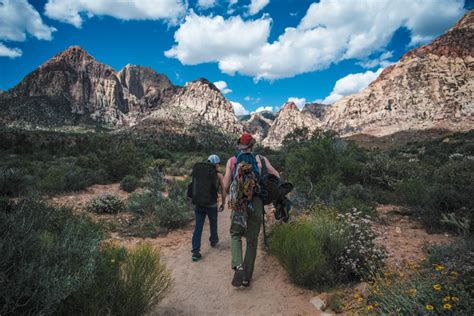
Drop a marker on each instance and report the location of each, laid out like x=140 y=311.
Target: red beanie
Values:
x=245 y=139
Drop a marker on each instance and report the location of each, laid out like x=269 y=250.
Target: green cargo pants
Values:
x=254 y=222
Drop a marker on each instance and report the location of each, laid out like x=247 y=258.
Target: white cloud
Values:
x=300 y=102
x=222 y=85
x=331 y=31
x=351 y=84
x=9 y=52
x=206 y=4
x=381 y=61
x=73 y=11
x=17 y=19
x=203 y=39
x=256 y=6
x=239 y=109
x=263 y=108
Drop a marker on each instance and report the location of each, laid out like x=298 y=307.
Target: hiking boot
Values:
x=246 y=282
x=214 y=244
x=196 y=256
x=238 y=276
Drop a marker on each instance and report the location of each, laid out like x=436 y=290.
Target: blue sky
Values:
x=265 y=51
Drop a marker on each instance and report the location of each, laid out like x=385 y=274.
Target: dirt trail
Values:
x=203 y=287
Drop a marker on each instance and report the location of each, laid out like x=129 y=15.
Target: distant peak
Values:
x=73 y=53
x=204 y=81
x=290 y=106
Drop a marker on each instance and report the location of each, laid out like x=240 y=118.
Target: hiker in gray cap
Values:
x=207 y=182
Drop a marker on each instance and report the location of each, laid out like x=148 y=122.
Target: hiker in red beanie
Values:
x=241 y=180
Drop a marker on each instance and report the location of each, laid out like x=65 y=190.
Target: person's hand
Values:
x=221 y=208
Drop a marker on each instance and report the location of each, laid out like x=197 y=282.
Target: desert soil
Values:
x=203 y=287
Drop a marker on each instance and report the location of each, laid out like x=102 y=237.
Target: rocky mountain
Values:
x=258 y=124
x=288 y=119
x=74 y=87
x=430 y=87
x=316 y=109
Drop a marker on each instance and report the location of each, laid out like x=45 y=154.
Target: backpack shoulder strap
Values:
x=264 y=165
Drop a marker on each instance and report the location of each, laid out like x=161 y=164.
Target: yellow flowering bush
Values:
x=429 y=290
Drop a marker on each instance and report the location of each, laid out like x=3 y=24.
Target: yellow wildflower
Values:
x=455 y=299
x=429 y=307
x=412 y=292
x=446 y=299
x=454 y=275
x=370 y=308
x=401 y=274
x=437 y=287
x=360 y=299
x=439 y=267
x=447 y=306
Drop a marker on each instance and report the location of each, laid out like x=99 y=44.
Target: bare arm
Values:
x=223 y=192
x=270 y=168
x=227 y=177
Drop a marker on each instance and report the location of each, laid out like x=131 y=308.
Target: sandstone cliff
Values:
x=259 y=124
x=73 y=87
x=290 y=118
x=430 y=87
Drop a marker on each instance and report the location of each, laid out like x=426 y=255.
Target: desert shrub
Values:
x=105 y=203
x=319 y=165
x=172 y=214
x=129 y=183
x=319 y=250
x=145 y=281
x=141 y=203
x=125 y=283
x=47 y=254
x=361 y=254
x=345 y=198
x=13 y=182
x=458 y=260
x=66 y=177
x=157 y=211
x=443 y=285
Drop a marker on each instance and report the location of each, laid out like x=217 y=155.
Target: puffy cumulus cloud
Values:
x=9 y=52
x=73 y=11
x=239 y=109
x=256 y=6
x=222 y=85
x=203 y=39
x=330 y=31
x=381 y=61
x=300 y=102
x=206 y=4
x=351 y=84
x=17 y=19
x=263 y=108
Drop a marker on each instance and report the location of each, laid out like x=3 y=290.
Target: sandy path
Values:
x=203 y=287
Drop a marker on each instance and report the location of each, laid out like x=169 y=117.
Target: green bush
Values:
x=441 y=286
x=12 y=182
x=105 y=203
x=125 y=283
x=323 y=249
x=156 y=211
x=47 y=254
x=142 y=203
x=65 y=178
x=129 y=183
